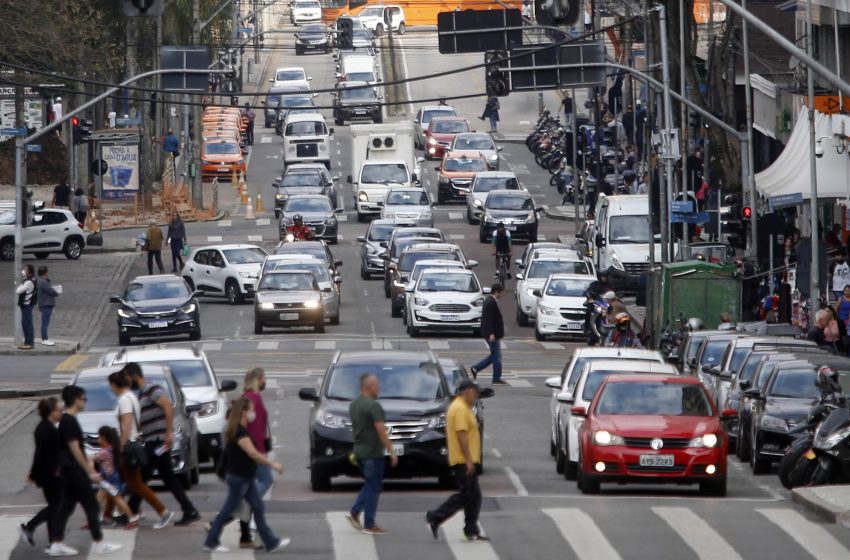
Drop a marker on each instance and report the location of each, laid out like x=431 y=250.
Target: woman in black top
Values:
x=45 y=466
x=241 y=459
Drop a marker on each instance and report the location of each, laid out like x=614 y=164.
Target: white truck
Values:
x=382 y=156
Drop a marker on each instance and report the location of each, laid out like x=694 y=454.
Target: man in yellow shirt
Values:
x=464 y=442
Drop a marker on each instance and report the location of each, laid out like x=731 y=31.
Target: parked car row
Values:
x=223 y=145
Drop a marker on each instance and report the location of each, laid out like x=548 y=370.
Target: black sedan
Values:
x=294 y=183
x=415 y=394
x=515 y=209
x=315 y=37
x=157 y=306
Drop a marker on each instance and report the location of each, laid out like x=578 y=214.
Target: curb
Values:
x=21 y=393
x=34 y=352
x=552 y=213
x=809 y=499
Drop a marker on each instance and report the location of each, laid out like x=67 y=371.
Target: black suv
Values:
x=356 y=100
x=415 y=394
x=156 y=306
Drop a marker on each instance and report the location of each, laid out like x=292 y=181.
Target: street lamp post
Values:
x=814 y=286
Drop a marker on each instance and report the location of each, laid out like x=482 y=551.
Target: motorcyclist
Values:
x=502 y=246
x=298 y=230
x=595 y=312
x=622 y=335
x=600 y=285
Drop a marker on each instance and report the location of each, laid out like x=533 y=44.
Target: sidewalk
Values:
x=831 y=503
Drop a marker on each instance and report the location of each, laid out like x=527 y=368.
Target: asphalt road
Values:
x=529 y=510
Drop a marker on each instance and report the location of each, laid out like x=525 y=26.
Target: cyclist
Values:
x=502 y=247
x=299 y=231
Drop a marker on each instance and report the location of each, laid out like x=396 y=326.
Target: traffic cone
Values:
x=234 y=179
x=242 y=184
x=249 y=212
x=260 y=208
x=244 y=197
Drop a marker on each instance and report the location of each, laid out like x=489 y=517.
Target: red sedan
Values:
x=650 y=429
x=440 y=135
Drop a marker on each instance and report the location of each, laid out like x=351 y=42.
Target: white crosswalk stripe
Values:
x=9 y=537
x=255 y=238
x=457 y=236
x=348 y=543
x=225 y=223
x=263 y=222
x=707 y=543
x=63 y=378
x=582 y=534
x=552 y=345
x=455 y=215
x=460 y=547
x=342 y=218
x=268 y=345
x=230 y=539
x=214 y=239
x=211 y=346
x=438 y=344
x=325 y=345
x=266 y=139
x=519 y=383
x=811 y=537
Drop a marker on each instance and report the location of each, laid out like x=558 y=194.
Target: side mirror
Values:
x=753 y=393
x=578 y=411
x=486 y=393
x=727 y=413
x=415 y=121
x=471 y=263
x=486 y=291
x=361 y=239
x=554 y=382
x=566 y=397
x=498 y=148
x=400 y=285
x=724 y=375
x=383 y=244
x=309 y=78
x=308 y=394
x=420 y=160
x=744 y=384
x=600 y=240
x=271 y=80
x=330 y=131
x=327 y=290
x=384 y=257
x=519 y=276
x=518 y=263
x=335 y=179
x=114 y=299
x=337 y=263
x=339 y=211
x=348 y=179
x=228 y=385
x=537 y=293
x=337 y=279
x=709 y=369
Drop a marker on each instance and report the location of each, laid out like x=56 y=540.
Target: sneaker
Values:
x=352 y=518
x=164 y=520
x=216 y=548
x=482 y=118
x=106 y=547
x=25 y=347
x=132 y=523
x=26 y=534
x=188 y=519
x=474 y=372
x=61 y=549
x=374 y=530
x=48 y=343
x=432 y=526
x=477 y=538
x=281 y=544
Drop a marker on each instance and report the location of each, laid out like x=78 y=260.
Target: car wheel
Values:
x=335 y=320
x=320 y=326
x=400 y=28
x=41 y=255
x=588 y=484
x=412 y=331
x=469 y=219
x=258 y=327
x=73 y=249
x=743 y=447
x=334 y=240
x=377 y=118
x=758 y=465
x=195 y=334
x=532 y=237
x=339 y=122
x=560 y=460
x=440 y=198
x=123 y=340
x=571 y=470
x=482 y=237
x=231 y=289
x=552 y=448
x=319 y=481
x=364 y=274
x=7 y=250
x=387 y=292
x=539 y=336
x=521 y=318
x=361 y=217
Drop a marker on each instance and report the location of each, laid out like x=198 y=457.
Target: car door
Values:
x=218 y=270
x=199 y=271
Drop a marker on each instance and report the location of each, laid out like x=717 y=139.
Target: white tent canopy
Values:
x=789 y=174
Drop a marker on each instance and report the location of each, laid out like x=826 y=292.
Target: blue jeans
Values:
x=264 y=481
x=494 y=358
x=373 y=482
x=26 y=324
x=46 y=314
x=239 y=489
x=494 y=121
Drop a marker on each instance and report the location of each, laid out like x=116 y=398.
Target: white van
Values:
x=357 y=67
x=306 y=139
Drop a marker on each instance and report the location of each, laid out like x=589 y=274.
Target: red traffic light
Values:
x=747 y=212
x=75 y=121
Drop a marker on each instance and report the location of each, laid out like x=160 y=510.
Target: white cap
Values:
x=58 y=98
x=609 y=295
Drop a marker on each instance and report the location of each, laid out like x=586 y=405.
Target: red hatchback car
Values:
x=440 y=135
x=651 y=429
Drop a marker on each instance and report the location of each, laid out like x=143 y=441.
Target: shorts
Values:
x=115 y=480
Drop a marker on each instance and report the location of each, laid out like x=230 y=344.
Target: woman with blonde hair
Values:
x=241 y=460
x=258 y=429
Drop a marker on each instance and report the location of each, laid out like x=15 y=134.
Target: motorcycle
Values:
x=597 y=328
x=797 y=465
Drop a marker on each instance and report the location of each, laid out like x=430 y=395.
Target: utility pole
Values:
x=22 y=206
x=668 y=122
x=194 y=177
x=751 y=181
x=814 y=286
x=683 y=129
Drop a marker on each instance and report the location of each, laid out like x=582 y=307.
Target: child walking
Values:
x=108 y=459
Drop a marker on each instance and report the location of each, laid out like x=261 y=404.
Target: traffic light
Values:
x=345 y=30
x=747 y=212
x=81 y=130
x=496 y=78
x=136 y=8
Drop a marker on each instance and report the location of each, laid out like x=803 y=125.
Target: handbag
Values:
x=133 y=454
x=185 y=249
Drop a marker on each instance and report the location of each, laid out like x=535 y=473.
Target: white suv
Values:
x=224 y=270
x=51 y=230
x=445 y=299
x=534 y=275
x=376 y=18
x=199 y=383
x=561 y=305
x=305 y=11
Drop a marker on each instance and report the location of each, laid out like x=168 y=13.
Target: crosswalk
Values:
x=580 y=532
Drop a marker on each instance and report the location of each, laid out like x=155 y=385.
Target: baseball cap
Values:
x=468 y=384
x=609 y=295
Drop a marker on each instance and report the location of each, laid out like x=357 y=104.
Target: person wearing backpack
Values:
x=80 y=205
x=27 y=299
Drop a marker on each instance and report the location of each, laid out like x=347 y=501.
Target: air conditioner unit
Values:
x=382 y=142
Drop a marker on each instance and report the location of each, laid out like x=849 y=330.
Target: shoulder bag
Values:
x=133 y=454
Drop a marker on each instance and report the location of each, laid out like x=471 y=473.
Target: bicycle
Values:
x=502 y=273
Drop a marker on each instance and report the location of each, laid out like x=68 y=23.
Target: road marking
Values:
x=519 y=383
x=325 y=345
x=229 y=535
x=524 y=122
x=518 y=485
x=377 y=345
x=455 y=215
x=127 y=540
x=258 y=238
x=342 y=218
x=9 y=538
x=273 y=384
x=697 y=534
x=268 y=345
x=62 y=378
x=552 y=345
x=813 y=538
x=503 y=344
x=406 y=75
x=496 y=453
x=225 y=223
x=263 y=222
x=213 y=239
x=457 y=236
x=348 y=543
x=438 y=344
x=463 y=549
x=541 y=237
x=339 y=152
x=211 y=347
x=72 y=362
x=265 y=140
x=582 y=534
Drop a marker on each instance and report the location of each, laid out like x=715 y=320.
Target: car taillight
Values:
x=82 y=226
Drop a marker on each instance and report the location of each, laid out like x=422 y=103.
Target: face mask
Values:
x=252 y=416
x=262 y=386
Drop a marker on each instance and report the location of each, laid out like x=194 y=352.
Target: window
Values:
x=655 y=399
x=216 y=259
x=411 y=198
x=306 y=128
x=629 y=229
x=381 y=232
x=318 y=204
x=567 y=288
x=447 y=282
x=449 y=126
x=221 y=148
x=464 y=164
x=188 y=373
x=288 y=282
x=419 y=382
x=358 y=94
x=301 y=180
x=156 y=290
x=290 y=76
x=317 y=269
x=714 y=350
x=202 y=257
x=487 y=184
x=509 y=203
x=245 y=256
x=431 y=113
x=542 y=269
x=794 y=384
x=405 y=264
x=386 y=173
x=477 y=142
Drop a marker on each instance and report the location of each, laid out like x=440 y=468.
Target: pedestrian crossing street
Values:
x=590 y=532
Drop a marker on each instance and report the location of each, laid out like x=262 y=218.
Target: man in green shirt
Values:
x=371 y=444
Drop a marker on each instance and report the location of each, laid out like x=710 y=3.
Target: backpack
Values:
x=22 y=298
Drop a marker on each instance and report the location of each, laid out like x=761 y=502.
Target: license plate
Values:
x=289 y=316
x=398 y=449
x=656 y=460
x=449 y=318
x=510 y=228
x=575 y=326
x=158 y=324
x=224 y=169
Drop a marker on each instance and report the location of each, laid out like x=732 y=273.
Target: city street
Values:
x=529 y=511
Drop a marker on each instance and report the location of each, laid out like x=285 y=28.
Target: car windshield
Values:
x=188 y=373
x=794 y=384
x=629 y=229
x=714 y=350
x=401 y=244
x=7 y=218
x=245 y=256
x=418 y=270
x=464 y=164
x=449 y=126
x=301 y=180
x=272 y=100
x=578 y=367
x=308 y=5
x=361 y=76
x=418 y=382
x=156 y=290
x=300 y=249
x=480 y=142
x=381 y=232
x=288 y=282
x=221 y=148
x=509 y=203
x=749 y=367
x=595 y=378
x=407 y=260
x=290 y=76
x=653 y=399
x=313 y=29
x=321 y=204
x=317 y=269
x=306 y=128
x=567 y=287
x=301 y=101
x=100 y=397
x=359 y=94
x=487 y=184
x=447 y=282
x=431 y=113
x=411 y=198
x=542 y=269
x=384 y=173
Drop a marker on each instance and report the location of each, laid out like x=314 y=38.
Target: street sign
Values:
x=135 y=121
x=20 y=131
x=188 y=58
x=537 y=67
x=682 y=206
x=34 y=148
x=99 y=167
x=785 y=200
x=451 y=42
x=689 y=218
x=246 y=30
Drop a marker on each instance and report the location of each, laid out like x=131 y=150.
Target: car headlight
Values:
x=126 y=313
x=278 y=196
x=208 y=409
x=531 y=218
x=489 y=219
x=706 y=440
x=240 y=162
x=328 y=420
x=247 y=275
x=493 y=157
x=311 y=303
x=420 y=302
x=615 y=262
x=330 y=220
x=543 y=310
x=478 y=302
x=477 y=202
x=267 y=305
x=831 y=441
x=438 y=421
x=371 y=251
x=773 y=423
x=432 y=142
x=605 y=438
x=362 y=197
x=386 y=214
x=189 y=308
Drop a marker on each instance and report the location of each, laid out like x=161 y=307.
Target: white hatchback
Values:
x=560 y=305
x=445 y=299
x=532 y=278
x=305 y=11
x=409 y=205
x=293 y=77
x=224 y=270
x=51 y=230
